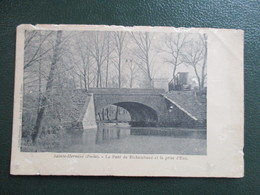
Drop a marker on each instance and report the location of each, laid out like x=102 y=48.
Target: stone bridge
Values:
x=143 y=105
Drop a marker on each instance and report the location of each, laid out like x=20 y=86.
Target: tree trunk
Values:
x=119 y=71
x=108 y=53
x=147 y=57
x=98 y=76
x=80 y=81
x=100 y=119
x=85 y=76
x=174 y=70
x=40 y=114
x=107 y=112
x=103 y=114
x=100 y=79
x=204 y=62
x=197 y=75
x=148 y=69
x=40 y=78
x=88 y=76
x=117 y=112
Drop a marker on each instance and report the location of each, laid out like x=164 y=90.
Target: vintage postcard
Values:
x=128 y=101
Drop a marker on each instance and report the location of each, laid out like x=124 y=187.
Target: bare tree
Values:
x=36 y=53
x=109 y=50
x=204 y=40
x=173 y=47
x=143 y=40
x=196 y=56
x=133 y=71
x=83 y=67
x=48 y=89
x=119 y=41
x=99 y=52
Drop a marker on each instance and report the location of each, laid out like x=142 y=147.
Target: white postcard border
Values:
x=225 y=119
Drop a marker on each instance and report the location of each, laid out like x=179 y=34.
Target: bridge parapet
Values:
x=126 y=91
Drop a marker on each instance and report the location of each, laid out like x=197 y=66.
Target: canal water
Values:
x=122 y=138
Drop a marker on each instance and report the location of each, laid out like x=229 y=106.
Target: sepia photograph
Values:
x=114 y=92
x=128 y=101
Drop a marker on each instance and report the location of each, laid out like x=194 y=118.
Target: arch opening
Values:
x=136 y=114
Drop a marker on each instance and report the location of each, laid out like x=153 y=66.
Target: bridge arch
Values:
x=140 y=113
x=148 y=104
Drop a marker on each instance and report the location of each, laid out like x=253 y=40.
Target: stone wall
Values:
x=168 y=109
x=125 y=91
x=88 y=117
x=155 y=102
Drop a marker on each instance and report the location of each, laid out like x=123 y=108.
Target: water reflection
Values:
x=177 y=133
x=111 y=132
x=122 y=138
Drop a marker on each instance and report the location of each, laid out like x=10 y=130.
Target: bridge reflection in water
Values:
x=121 y=138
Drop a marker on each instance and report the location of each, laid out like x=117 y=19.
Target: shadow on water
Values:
x=122 y=138
x=110 y=132
x=113 y=131
x=173 y=132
